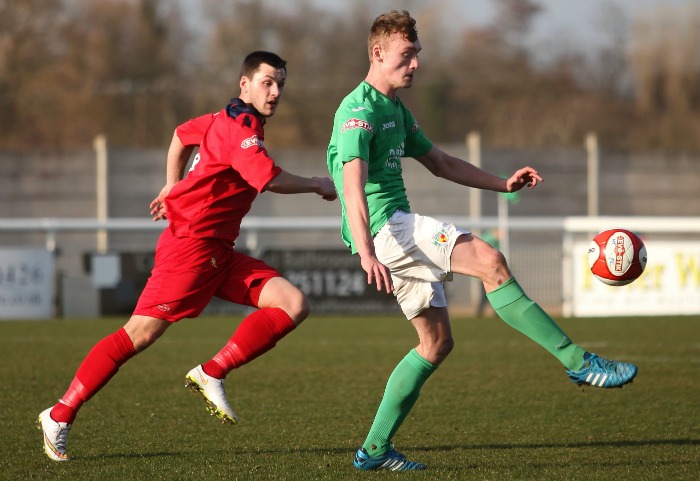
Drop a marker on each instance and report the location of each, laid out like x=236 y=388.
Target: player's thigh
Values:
x=474 y=257
x=434 y=334
x=416 y=295
x=433 y=323
x=415 y=246
x=186 y=274
x=247 y=280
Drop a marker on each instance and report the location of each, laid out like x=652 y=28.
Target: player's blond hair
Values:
x=388 y=23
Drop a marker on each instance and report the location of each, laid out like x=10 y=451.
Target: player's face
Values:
x=399 y=61
x=264 y=90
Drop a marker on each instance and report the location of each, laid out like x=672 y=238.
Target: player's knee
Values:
x=495 y=267
x=438 y=349
x=141 y=340
x=445 y=347
x=144 y=331
x=495 y=259
x=297 y=306
x=303 y=310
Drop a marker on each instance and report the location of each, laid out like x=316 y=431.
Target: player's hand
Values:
x=377 y=272
x=525 y=177
x=158 y=206
x=326 y=188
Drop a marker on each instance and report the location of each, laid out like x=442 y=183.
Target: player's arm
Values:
x=355 y=175
x=443 y=165
x=178 y=156
x=287 y=183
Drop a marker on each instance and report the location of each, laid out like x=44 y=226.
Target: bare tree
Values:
x=665 y=64
x=665 y=59
x=70 y=69
x=29 y=44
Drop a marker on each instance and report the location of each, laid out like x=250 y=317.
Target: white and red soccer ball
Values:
x=617 y=257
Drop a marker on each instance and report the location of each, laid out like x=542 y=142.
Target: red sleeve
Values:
x=192 y=131
x=248 y=154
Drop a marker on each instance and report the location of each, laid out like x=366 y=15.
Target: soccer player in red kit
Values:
x=195 y=259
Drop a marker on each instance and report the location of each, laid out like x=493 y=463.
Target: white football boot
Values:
x=212 y=389
x=55 y=436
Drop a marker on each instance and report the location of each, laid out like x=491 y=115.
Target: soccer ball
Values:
x=617 y=257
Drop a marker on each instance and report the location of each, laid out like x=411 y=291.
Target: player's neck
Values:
x=380 y=84
x=261 y=118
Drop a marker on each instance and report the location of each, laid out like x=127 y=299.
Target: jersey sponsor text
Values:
x=251 y=141
x=357 y=124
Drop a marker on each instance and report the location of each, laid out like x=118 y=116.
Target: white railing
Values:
x=251 y=225
x=537 y=261
x=255 y=224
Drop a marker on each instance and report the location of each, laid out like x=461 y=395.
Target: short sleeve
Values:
x=192 y=132
x=355 y=133
x=249 y=156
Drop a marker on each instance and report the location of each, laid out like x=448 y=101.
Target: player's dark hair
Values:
x=392 y=22
x=253 y=60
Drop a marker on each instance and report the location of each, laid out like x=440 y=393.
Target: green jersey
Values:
x=370 y=126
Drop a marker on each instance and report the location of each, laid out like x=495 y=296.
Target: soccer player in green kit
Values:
x=412 y=255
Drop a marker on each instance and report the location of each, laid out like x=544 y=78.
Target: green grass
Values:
x=499 y=408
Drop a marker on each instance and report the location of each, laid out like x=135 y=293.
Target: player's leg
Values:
x=401 y=245
x=99 y=366
x=281 y=307
x=183 y=280
x=405 y=383
x=474 y=257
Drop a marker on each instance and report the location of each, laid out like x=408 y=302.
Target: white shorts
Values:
x=417 y=251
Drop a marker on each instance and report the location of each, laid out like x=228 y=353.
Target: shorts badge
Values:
x=441 y=238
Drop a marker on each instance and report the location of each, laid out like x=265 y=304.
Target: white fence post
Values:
x=100 y=144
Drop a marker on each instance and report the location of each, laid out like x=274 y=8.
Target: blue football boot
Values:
x=601 y=372
x=391 y=460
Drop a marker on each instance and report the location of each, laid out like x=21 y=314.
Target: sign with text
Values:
x=670 y=284
x=26 y=283
x=332 y=279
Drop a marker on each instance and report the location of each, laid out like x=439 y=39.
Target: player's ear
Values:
x=244 y=84
x=378 y=52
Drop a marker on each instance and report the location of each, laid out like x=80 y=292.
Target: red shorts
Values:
x=188 y=272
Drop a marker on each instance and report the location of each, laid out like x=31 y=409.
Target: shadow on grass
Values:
x=589 y=444
x=161 y=454
x=352 y=449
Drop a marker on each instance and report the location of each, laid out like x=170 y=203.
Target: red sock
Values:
x=257 y=334
x=98 y=367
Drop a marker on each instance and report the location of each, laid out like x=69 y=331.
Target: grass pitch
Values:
x=499 y=408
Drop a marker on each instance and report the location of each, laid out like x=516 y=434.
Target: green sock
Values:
x=401 y=393
x=521 y=313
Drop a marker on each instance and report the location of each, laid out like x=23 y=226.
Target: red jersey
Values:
x=230 y=169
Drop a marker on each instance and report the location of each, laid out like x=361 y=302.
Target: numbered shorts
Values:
x=188 y=272
x=417 y=250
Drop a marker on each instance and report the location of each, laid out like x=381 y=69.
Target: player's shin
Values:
x=257 y=334
x=521 y=313
x=402 y=391
x=98 y=367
